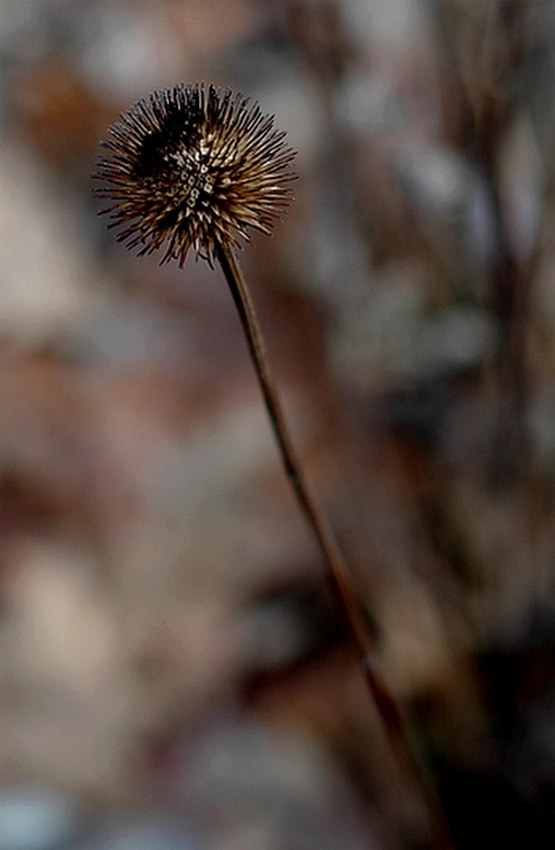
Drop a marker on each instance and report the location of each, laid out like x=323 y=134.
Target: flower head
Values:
x=194 y=167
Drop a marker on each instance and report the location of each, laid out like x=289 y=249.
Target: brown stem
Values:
x=384 y=700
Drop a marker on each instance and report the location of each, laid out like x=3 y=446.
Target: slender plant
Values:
x=196 y=168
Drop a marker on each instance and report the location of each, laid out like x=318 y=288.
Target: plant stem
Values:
x=338 y=574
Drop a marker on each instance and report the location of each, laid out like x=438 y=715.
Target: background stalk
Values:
x=336 y=569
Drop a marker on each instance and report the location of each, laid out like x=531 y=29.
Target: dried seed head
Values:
x=194 y=167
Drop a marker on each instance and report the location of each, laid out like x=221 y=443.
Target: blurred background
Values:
x=174 y=675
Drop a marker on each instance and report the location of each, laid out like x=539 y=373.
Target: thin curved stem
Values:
x=338 y=574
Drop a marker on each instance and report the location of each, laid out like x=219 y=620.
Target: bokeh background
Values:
x=173 y=674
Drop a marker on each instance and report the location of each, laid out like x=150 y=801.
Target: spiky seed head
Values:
x=196 y=167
